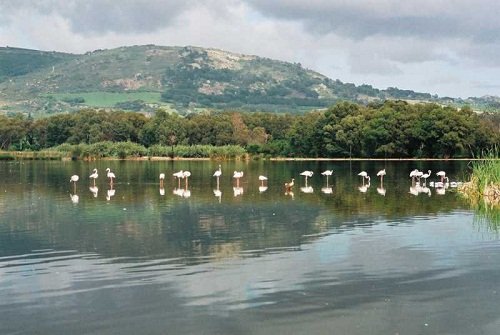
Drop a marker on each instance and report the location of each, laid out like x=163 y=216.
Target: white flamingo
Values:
x=217 y=174
x=179 y=175
x=327 y=173
x=74 y=178
x=426 y=175
x=381 y=174
x=237 y=175
x=94 y=175
x=365 y=176
x=162 y=178
x=110 y=175
x=307 y=174
x=441 y=174
x=186 y=175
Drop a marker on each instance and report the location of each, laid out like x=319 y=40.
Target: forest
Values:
x=390 y=129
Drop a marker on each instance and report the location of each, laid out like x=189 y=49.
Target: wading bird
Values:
x=307 y=174
x=110 y=175
x=74 y=178
x=364 y=175
x=237 y=175
x=94 y=175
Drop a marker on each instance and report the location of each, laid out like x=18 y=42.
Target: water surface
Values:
x=339 y=258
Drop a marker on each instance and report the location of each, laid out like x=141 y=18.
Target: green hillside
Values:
x=185 y=79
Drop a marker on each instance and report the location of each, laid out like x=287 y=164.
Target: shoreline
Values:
x=34 y=155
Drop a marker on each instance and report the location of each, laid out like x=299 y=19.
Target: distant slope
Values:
x=181 y=78
x=17 y=62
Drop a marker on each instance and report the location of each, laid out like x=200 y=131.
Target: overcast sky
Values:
x=444 y=47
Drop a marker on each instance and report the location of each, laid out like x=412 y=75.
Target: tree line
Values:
x=387 y=129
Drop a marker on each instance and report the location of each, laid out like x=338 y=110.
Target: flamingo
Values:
x=426 y=175
x=179 y=175
x=262 y=180
x=217 y=174
x=327 y=173
x=441 y=174
x=186 y=175
x=110 y=175
x=237 y=175
x=162 y=178
x=288 y=186
x=74 y=178
x=364 y=175
x=381 y=174
x=94 y=175
x=414 y=174
x=307 y=174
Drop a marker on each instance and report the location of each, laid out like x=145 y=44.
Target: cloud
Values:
x=429 y=19
x=93 y=17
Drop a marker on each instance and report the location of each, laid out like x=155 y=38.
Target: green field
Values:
x=110 y=99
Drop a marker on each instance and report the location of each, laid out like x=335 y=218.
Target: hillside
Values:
x=143 y=78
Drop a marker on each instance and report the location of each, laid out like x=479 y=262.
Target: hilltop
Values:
x=143 y=78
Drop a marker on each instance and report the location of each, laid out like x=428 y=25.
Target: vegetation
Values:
x=187 y=79
x=485 y=180
x=385 y=130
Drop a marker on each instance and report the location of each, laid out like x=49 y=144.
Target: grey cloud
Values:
x=359 y=19
x=92 y=17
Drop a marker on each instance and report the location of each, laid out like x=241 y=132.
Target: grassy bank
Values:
x=128 y=150
x=484 y=185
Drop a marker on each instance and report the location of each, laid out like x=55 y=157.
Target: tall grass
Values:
x=128 y=149
x=483 y=189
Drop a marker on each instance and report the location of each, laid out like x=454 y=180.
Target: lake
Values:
x=203 y=258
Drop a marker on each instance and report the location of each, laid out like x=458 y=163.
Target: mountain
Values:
x=184 y=79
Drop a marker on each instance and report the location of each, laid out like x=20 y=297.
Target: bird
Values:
x=74 y=178
x=110 y=175
x=327 y=173
x=218 y=172
x=186 y=175
x=178 y=175
x=262 y=180
x=307 y=174
x=94 y=175
x=364 y=175
x=441 y=174
x=381 y=174
x=414 y=174
x=426 y=175
x=237 y=175
x=162 y=178
x=288 y=186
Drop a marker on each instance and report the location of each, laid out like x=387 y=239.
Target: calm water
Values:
x=346 y=259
